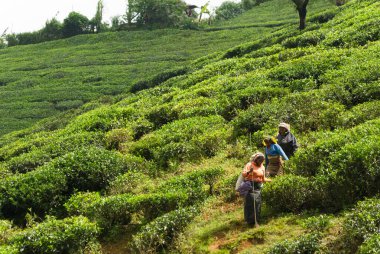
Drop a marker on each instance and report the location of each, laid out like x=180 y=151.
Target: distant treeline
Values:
x=139 y=14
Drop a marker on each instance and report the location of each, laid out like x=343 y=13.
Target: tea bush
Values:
x=89 y=168
x=70 y=235
x=6 y=230
x=102 y=119
x=308 y=243
x=314 y=159
x=317 y=223
x=81 y=203
x=40 y=190
x=130 y=182
x=181 y=191
x=362 y=28
x=360 y=114
x=193 y=183
x=6 y=249
x=288 y=193
x=371 y=245
x=309 y=66
x=357 y=165
x=183 y=140
x=319 y=114
x=115 y=137
x=160 y=233
x=362 y=224
x=27 y=161
x=118 y=210
x=309 y=38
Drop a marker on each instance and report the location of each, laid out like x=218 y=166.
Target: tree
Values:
x=301 y=8
x=52 y=30
x=96 y=22
x=228 y=10
x=163 y=13
x=204 y=9
x=75 y=24
x=249 y=4
x=3 y=39
x=12 y=40
x=131 y=13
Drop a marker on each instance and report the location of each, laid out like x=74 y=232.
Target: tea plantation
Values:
x=151 y=167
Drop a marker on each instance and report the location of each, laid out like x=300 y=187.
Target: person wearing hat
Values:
x=286 y=139
x=274 y=156
x=254 y=172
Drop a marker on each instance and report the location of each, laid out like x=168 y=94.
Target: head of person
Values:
x=258 y=158
x=283 y=128
x=268 y=141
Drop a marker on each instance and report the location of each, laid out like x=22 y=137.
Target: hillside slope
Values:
x=155 y=171
x=38 y=81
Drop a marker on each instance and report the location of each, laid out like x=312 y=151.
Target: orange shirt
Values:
x=257 y=174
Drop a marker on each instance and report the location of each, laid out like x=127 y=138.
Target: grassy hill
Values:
x=154 y=170
x=39 y=81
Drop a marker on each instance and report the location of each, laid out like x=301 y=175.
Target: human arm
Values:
x=247 y=170
x=280 y=152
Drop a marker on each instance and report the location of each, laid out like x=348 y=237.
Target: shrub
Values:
x=130 y=182
x=325 y=16
x=317 y=223
x=6 y=249
x=81 y=203
x=28 y=161
x=160 y=233
x=40 y=190
x=310 y=38
x=183 y=140
x=161 y=115
x=65 y=142
x=288 y=193
x=362 y=224
x=158 y=79
x=306 y=244
x=360 y=114
x=257 y=94
x=6 y=230
x=371 y=245
x=309 y=66
x=114 y=138
x=101 y=119
x=70 y=235
x=193 y=183
x=314 y=160
x=228 y=10
x=89 y=168
x=319 y=114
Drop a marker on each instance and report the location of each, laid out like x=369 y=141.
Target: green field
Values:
x=153 y=170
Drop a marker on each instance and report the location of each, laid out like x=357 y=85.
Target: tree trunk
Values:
x=302 y=14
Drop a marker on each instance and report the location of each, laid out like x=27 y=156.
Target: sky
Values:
x=20 y=16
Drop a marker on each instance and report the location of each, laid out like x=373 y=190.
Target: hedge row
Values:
x=46 y=188
x=71 y=235
x=161 y=232
x=183 y=140
x=352 y=173
x=184 y=190
x=314 y=159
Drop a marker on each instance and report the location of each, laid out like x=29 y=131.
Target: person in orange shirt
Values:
x=254 y=172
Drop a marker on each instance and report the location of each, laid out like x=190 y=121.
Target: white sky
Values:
x=30 y=15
